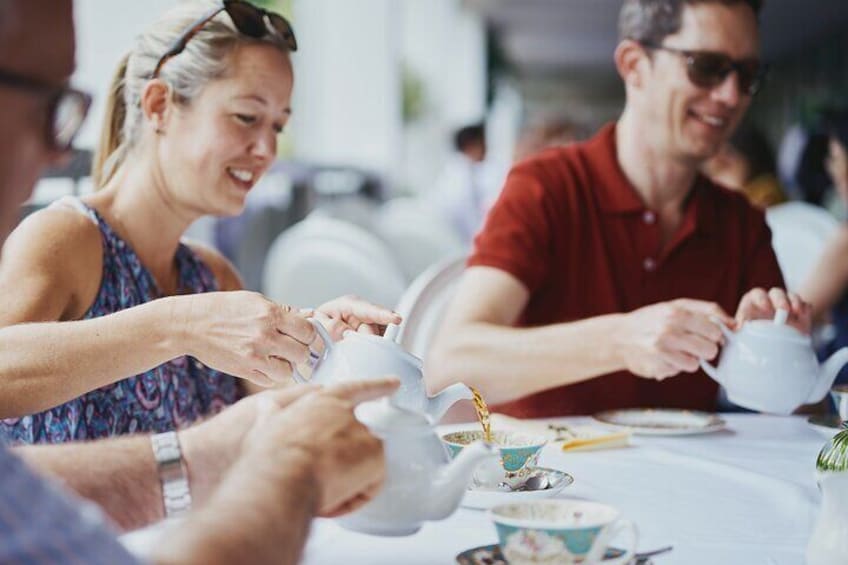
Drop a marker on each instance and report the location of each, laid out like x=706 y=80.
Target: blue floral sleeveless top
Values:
x=165 y=398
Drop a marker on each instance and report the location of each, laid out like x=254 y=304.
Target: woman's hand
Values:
x=244 y=334
x=353 y=313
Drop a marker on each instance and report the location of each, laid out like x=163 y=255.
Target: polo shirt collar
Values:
x=616 y=195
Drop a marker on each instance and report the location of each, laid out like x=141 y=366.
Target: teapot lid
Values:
x=383 y=414
x=834 y=455
x=386 y=343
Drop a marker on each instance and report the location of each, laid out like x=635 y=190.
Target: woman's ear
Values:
x=630 y=57
x=156 y=104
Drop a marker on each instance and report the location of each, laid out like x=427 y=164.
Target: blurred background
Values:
x=385 y=90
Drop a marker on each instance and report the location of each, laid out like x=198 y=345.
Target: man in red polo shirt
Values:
x=603 y=267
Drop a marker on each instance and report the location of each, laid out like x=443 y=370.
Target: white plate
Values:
x=483 y=497
x=661 y=421
x=827 y=425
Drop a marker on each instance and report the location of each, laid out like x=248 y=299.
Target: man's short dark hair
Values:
x=651 y=21
x=469 y=135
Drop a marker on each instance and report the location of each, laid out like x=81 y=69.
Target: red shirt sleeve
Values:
x=516 y=236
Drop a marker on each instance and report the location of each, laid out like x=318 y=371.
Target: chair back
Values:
x=320 y=258
x=800 y=232
x=425 y=303
x=417 y=235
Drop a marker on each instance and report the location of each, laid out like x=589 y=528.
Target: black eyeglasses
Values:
x=250 y=20
x=66 y=107
x=708 y=69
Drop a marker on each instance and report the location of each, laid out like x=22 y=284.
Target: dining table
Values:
x=743 y=494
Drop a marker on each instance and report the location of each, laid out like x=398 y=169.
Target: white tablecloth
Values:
x=745 y=495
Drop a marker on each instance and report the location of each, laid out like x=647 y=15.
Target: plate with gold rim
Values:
x=662 y=421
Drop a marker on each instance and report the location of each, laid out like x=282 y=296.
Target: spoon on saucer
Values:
x=536 y=482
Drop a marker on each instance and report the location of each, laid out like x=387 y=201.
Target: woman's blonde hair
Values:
x=204 y=59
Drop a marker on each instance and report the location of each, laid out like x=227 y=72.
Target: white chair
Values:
x=800 y=232
x=417 y=234
x=306 y=268
x=425 y=302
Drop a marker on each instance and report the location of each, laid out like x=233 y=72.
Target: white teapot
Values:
x=769 y=366
x=422 y=483
x=361 y=357
x=828 y=543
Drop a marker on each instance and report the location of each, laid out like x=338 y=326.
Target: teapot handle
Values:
x=314 y=357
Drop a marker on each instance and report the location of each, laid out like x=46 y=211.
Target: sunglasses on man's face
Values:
x=249 y=20
x=708 y=69
x=66 y=107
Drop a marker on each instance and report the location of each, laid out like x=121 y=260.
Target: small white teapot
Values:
x=769 y=366
x=361 y=357
x=422 y=483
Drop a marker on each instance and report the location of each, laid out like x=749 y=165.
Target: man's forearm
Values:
x=119 y=475
x=507 y=363
x=241 y=523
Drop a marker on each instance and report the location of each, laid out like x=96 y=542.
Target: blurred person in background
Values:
x=604 y=266
x=826 y=288
x=746 y=163
x=112 y=323
x=549 y=132
x=464 y=191
x=256 y=474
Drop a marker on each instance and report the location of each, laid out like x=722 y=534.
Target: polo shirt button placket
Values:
x=649 y=264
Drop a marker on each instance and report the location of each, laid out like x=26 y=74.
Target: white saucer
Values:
x=485 y=497
x=661 y=421
x=828 y=425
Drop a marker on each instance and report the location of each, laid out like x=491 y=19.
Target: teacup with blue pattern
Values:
x=519 y=456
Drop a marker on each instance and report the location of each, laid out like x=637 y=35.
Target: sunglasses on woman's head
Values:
x=249 y=20
x=708 y=69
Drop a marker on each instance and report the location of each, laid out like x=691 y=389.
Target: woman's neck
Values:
x=138 y=205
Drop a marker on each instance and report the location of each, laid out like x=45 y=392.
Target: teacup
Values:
x=519 y=456
x=560 y=532
x=839 y=393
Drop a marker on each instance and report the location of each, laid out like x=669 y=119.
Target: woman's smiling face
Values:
x=214 y=149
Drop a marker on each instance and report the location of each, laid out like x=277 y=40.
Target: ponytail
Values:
x=112 y=146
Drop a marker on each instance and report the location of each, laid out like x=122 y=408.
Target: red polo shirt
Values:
x=573 y=230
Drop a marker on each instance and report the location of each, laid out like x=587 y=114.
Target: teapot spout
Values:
x=449 y=487
x=827 y=374
x=439 y=404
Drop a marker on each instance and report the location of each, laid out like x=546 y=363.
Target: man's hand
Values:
x=668 y=338
x=346 y=459
x=757 y=304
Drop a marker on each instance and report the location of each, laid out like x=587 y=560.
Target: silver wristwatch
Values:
x=173 y=475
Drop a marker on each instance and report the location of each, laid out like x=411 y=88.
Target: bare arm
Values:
x=242 y=523
x=49 y=275
x=478 y=345
x=829 y=280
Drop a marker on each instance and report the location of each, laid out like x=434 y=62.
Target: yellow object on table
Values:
x=573 y=438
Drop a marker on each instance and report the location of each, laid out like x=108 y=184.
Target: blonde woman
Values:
x=112 y=324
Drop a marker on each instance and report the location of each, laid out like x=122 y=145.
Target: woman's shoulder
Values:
x=222 y=269
x=57 y=235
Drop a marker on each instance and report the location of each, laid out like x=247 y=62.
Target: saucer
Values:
x=483 y=497
x=826 y=424
x=662 y=421
x=491 y=555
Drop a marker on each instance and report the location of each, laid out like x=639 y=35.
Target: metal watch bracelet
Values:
x=173 y=476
